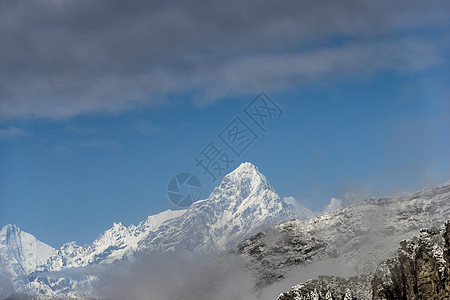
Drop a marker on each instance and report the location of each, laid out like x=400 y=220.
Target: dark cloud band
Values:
x=63 y=58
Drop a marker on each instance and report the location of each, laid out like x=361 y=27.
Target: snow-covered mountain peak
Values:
x=243 y=182
x=21 y=252
x=10 y=230
x=334 y=205
x=70 y=245
x=300 y=211
x=118 y=225
x=247 y=173
x=7 y=227
x=240 y=206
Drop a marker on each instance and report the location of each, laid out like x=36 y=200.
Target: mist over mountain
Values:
x=357 y=237
x=242 y=205
x=418 y=270
x=244 y=241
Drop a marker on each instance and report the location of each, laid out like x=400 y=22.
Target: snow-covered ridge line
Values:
x=243 y=204
x=116 y=243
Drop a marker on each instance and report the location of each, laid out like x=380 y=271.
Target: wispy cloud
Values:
x=61 y=59
x=11 y=132
x=352 y=60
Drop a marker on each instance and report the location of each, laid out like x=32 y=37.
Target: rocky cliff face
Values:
x=330 y=288
x=420 y=270
x=359 y=237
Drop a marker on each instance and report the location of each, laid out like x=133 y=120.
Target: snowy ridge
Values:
x=242 y=205
x=116 y=243
x=359 y=236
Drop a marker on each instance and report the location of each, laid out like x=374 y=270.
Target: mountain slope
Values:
x=334 y=205
x=116 y=243
x=243 y=204
x=20 y=254
x=358 y=237
x=419 y=270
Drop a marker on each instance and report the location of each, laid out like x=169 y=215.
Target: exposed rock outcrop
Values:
x=331 y=287
x=420 y=270
x=359 y=237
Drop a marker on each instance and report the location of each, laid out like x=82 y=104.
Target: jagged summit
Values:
x=245 y=169
x=244 y=203
x=9 y=228
x=247 y=172
x=244 y=181
x=6 y=227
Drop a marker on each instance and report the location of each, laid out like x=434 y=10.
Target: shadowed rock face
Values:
x=420 y=270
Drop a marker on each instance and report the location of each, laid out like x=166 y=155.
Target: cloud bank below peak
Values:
x=62 y=59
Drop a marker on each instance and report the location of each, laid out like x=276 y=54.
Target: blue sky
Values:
x=366 y=110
